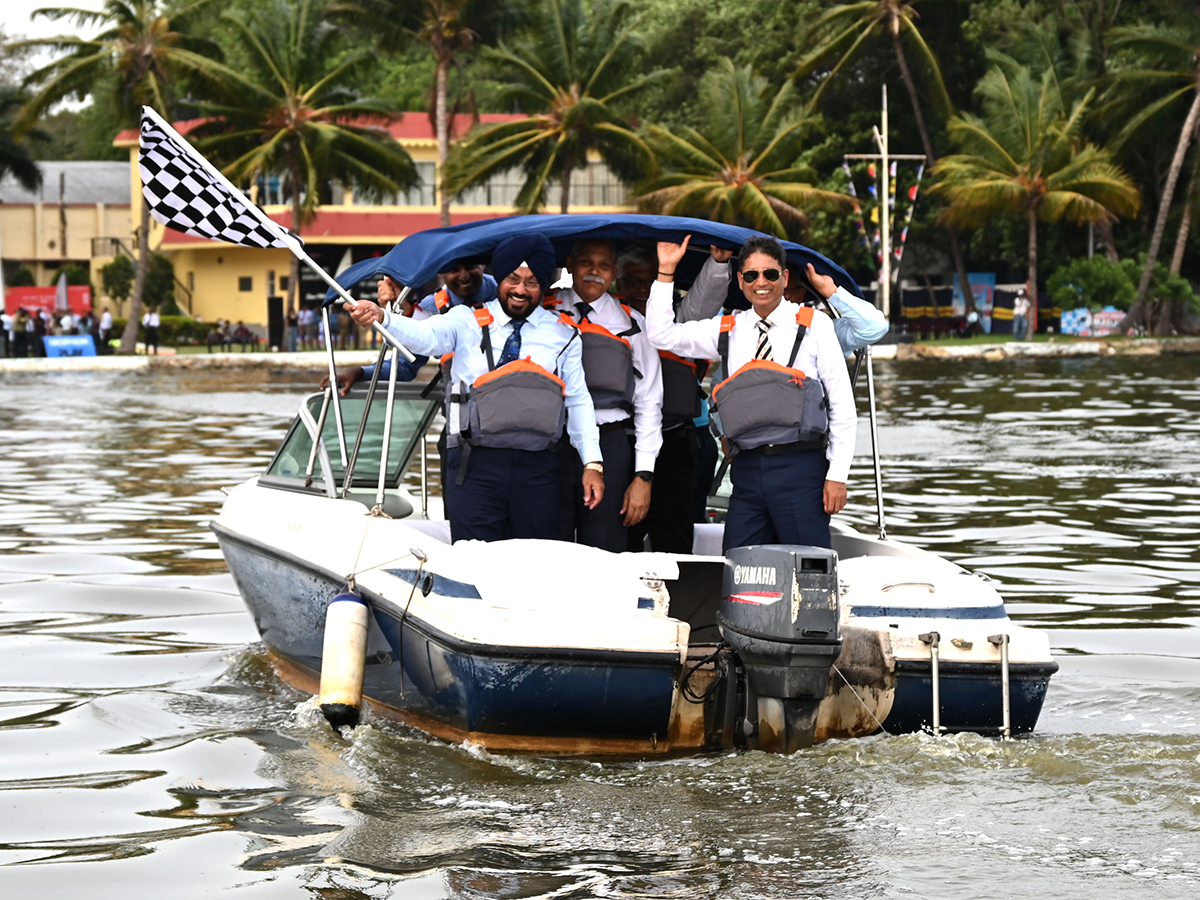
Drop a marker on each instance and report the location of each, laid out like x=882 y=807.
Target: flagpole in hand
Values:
x=178 y=208
x=185 y=191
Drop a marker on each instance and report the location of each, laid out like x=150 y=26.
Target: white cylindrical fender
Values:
x=343 y=659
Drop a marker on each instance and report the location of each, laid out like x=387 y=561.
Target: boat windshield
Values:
x=410 y=420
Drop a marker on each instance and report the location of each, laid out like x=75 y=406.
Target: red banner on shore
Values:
x=79 y=298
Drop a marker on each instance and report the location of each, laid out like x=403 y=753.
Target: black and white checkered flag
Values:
x=185 y=192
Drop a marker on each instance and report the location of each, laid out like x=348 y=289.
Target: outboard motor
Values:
x=779 y=613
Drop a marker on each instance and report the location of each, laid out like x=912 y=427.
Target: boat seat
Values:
x=707 y=539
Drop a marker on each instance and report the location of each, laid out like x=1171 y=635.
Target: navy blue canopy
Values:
x=419 y=257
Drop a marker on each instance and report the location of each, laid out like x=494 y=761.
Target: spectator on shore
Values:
x=1021 y=315
x=22 y=327
x=41 y=321
x=242 y=335
x=106 y=323
x=292 y=324
x=151 y=321
x=307 y=331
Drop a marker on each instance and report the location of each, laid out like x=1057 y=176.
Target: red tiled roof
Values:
x=338 y=226
x=412 y=126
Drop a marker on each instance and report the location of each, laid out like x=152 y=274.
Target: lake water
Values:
x=147 y=748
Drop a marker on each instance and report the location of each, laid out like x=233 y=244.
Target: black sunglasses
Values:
x=751 y=275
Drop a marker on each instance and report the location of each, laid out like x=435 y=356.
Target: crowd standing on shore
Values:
x=21 y=333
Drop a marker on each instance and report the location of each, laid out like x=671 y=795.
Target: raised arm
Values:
x=695 y=339
x=860 y=323
x=707 y=294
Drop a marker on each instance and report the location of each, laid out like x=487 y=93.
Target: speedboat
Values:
x=346 y=565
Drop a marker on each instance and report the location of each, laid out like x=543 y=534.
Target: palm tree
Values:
x=1168 y=65
x=848 y=28
x=143 y=48
x=740 y=166
x=448 y=28
x=290 y=112
x=1027 y=155
x=15 y=158
x=579 y=65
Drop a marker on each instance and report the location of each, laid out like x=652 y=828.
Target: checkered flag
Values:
x=187 y=193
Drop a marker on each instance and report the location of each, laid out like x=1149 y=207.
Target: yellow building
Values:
x=234 y=283
x=80 y=215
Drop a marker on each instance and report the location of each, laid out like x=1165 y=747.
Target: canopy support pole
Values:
x=875 y=445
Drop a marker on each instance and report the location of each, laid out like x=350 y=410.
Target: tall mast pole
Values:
x=885 y=269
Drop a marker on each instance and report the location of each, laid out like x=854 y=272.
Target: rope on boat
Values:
x=861 y=702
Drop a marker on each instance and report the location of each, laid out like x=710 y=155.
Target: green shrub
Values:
x=173 y=331
x=1093 y=282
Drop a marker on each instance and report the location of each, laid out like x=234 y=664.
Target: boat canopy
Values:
x=419 y=257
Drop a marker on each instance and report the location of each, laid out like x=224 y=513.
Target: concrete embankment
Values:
x=1039 y=349
x=191 y=361
x=900 y=352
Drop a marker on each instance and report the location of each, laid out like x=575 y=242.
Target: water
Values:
x=147 y=748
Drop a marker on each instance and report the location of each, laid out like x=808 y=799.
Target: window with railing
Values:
x=595 y=185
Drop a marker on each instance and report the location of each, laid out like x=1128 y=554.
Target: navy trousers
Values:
x=672 y=497
x=778 y=500
x=505 y=494
x=604 y=526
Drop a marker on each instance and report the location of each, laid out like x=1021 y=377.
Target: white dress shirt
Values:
x=820 y=356
x=647 y=390
x=550 y=343
x=858 y=325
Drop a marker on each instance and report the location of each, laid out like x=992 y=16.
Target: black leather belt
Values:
x=781 y=449
x=608 y=427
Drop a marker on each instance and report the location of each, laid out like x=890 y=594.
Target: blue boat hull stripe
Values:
x=929 y=612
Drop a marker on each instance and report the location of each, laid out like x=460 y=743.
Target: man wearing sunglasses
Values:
x=857 y=323
x=791 y=456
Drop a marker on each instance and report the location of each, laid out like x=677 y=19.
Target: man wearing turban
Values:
x=495 y=492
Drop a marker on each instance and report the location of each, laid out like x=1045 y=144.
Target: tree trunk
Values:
x=956 y=253
x=1164 y=207
x=129 y=336
x=1031 y=326
x=566 y=189
x=294 y=271
x=442 y=124
x=1185 y=224
x=1105 y=227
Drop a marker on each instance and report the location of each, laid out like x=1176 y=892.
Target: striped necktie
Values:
x=763 y=351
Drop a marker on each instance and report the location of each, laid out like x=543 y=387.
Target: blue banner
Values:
x=70 y=345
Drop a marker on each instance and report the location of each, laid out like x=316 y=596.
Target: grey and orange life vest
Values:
x=765 y=403
x=517 y=406
x=608 y=362
x=682 y=395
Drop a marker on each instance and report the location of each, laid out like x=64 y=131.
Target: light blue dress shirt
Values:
x=544 y=339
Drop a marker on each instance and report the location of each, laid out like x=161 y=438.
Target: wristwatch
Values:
x=645 y=476
x=597 y=467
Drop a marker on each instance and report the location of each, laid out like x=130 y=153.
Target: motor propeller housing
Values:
x=779 y=613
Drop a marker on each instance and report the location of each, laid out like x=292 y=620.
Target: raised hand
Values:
x=669 y=256
x=822 y=284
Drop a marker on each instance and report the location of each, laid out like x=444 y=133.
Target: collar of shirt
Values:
x=606 y=311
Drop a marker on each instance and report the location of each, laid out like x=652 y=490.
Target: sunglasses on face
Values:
x=751 y=275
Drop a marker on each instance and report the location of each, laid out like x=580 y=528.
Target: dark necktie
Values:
x=763 y=351
x=512 y=347
x=585 y=310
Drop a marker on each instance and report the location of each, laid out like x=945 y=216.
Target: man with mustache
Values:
x=517 y=370
x=625 y=382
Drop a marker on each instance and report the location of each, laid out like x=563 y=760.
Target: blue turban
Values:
x=533 y=250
